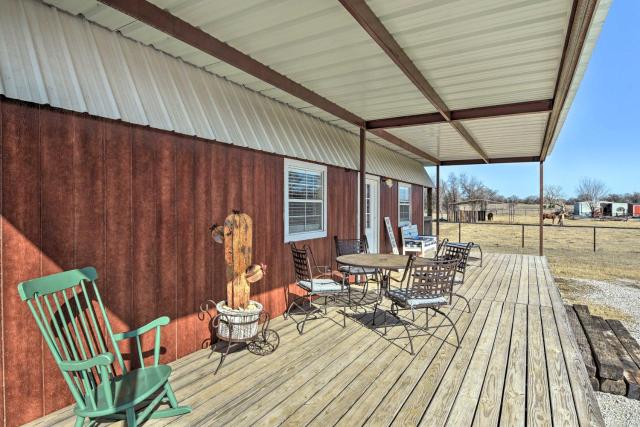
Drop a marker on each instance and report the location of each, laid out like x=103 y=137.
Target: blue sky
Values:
x=600 y=136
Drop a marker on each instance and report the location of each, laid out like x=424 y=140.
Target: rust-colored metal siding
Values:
x=136 y=203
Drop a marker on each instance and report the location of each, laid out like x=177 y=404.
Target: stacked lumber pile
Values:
x=610 y=354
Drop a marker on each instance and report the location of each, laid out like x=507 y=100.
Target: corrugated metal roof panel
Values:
x=439 y=140
x=314 y=43
x=52 y=58
x=512 y=136
x=19 y=63
x=119 y=76
x=466 y=38
x=60 y=79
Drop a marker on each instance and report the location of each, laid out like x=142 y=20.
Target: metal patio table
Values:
x=383 y=262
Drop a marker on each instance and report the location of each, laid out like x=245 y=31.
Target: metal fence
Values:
x=577 y=237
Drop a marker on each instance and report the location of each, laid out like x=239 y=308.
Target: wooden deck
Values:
x=518 y=364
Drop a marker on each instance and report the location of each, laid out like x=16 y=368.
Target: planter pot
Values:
x=244 y=323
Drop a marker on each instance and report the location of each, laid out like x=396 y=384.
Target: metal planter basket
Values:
x=237 y=325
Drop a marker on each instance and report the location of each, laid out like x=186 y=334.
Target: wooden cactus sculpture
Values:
x=237 y=235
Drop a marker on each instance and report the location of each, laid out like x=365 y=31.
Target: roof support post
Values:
x=541 y=248
x=438 y=201
x=363 y=181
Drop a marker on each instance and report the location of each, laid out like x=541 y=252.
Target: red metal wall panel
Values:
x=21 y=259
x=136 y=203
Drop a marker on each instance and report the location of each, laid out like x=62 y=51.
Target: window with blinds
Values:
x=404 y=204
x=305 y=200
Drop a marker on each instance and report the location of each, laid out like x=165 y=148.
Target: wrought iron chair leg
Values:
x=452 y=324
x=466 y=301
x=384 y=322
x=406 y=328
x=300 y=326
x=375 y=312
x=480 y=249
x=294 y=302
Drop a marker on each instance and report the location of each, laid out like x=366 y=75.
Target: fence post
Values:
x=522 y=236
x=594 y=239
x=459 y=231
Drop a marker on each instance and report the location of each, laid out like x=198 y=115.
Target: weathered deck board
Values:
x=519 y=364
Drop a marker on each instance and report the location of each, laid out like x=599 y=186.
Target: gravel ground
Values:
x=618 y=411
x=612 y=299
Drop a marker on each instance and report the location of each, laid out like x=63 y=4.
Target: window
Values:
x=404 y=204
x=305 y=207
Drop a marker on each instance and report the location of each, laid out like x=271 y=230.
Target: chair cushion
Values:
x=356 y=270
x=407 y=298
x=320 y=285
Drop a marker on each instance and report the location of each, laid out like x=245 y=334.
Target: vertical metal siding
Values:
x=50 y=57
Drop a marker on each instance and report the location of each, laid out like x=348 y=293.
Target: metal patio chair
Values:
x=429 y=286
x=350 y=247
x=317 y=282
x=461 y=253
x=440 y=249
x=64 y=306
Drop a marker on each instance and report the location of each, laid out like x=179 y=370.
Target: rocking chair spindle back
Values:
x=72 y=318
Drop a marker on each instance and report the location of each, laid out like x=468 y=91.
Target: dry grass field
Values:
x=569 y=248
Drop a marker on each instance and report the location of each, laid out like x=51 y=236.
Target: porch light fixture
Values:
x=389 y=182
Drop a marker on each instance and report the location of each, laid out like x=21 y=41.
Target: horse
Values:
x=490 y=216
x=559 y=215
x=552 y=216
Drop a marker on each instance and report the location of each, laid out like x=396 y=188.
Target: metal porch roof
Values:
x=474 y=54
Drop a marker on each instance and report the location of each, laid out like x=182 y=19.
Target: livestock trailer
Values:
x=614 y=208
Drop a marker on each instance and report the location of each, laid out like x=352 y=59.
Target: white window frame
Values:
x=313 y=167
x=408 y=187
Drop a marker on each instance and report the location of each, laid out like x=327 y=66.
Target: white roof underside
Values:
x=474 y=54
x=51 y=57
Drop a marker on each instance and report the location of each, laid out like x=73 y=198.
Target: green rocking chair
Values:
x=65 y=313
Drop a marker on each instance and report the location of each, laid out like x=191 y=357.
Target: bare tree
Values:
x=449 y=191
x=553 y=195
x=591 y=190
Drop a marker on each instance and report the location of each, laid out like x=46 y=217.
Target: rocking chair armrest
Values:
x=104 y=359
x=160 y=321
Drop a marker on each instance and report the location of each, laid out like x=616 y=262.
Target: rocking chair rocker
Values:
x=63 y=308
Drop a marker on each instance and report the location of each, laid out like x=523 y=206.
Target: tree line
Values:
x=458 y=188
